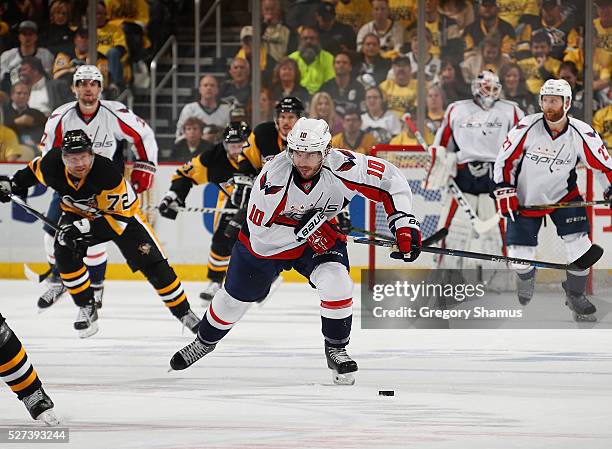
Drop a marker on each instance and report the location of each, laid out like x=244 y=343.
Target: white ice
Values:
x=267 y=384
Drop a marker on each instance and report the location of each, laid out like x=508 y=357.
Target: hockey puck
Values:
x=386 y=393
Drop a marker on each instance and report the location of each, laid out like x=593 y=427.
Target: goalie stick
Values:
x=480 y=226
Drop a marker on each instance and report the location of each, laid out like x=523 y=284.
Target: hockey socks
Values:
x=15 y=368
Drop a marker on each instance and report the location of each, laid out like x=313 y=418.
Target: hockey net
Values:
x=431 y=209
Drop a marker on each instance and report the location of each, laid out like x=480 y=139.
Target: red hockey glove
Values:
x=142 y=175
x=408 y=238
x=320 y=234
x=507 y=201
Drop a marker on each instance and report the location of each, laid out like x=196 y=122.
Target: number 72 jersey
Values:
x=280 y=198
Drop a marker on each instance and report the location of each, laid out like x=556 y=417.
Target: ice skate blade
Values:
x=91 y=330
x=584 y=318
x=48 y=418
x=343 y=379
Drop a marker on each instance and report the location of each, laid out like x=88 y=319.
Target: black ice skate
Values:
x=87 y=320
x=341 y=364
x=209 y=292
x=190 y=354
x=40 y=406
x=54 y=292
x=98 y=291
x=191 y=321
x=582 y=308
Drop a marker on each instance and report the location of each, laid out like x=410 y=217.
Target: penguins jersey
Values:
x=279 y=198
x=543 y=168
x=112 y=123
x=263 y=144
x=474 y=133
x=103 y=196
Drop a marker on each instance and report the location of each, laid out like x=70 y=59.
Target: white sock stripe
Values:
x=336 y=314
x=216 y=263
x=76 y=282
x=172 y=295
x=17 y=374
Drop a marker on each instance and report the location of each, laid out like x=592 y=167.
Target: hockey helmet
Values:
x=309 y=135
x=289 y=104
x=236 y=132
x=486 y=88
x=87 y=72
x=559 y=88
x=76 y=141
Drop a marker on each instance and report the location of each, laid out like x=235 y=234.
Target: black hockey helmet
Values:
x=236 y=132
x=289 y=104
x=76 y=141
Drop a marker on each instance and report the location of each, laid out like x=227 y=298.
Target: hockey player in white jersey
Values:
x=290 y=225
x=537 y=165
x=107 y=124
x=465 y=148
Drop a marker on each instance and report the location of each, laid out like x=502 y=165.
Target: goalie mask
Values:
x=559 y=88
x=308 y=144
x=486 y=89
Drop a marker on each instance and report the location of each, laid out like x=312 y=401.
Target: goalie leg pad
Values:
x=222 y=314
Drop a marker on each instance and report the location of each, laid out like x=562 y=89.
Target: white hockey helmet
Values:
x=560 y=88
x=486 y=88
x=87 y=72
x=309 y=135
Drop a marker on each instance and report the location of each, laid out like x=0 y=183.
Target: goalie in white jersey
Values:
x=290 y=224
x=537 y=165
x=107 y=124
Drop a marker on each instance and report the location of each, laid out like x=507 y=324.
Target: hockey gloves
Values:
x=235 y=224
x=320 y=233
x=242 y=190
x=443 y=167
x=408 y=238
x=507 y=201
x=169 y=205
x=608 y=194
x=75 y=235
x=344 y=221
x=7 y=186
x=142 y=175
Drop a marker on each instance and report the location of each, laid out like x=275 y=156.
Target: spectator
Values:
x=276 y=37
x=446 y=35
x=335 y=36
x=489 y=24
x=390 y=33
x=286 y=81
x=10 y=60
x=569 y=73
x=432 y=63
x=192 y=143
x=435 y=111
x=514 y=88
x=59 y=35
x=540 y=66
x=602 y=120
x=9 y=145
x=403 y=12
x=488 y=57
x=400 y=93
x=379 y=122
x=452 y=82
x=405 y=137
x=322 y=107
x=112 y=44
x=266 y=107
x=354 y=13
x=353 y=138
x=266 y=63
x=461 y=12
x=27 y=122
x=45 y=95
x=344 y=89
x=212 y=134
x=372 y=68
x=519 y=13
x=237 y=90
x=316 y=65
x=132 y=16
x=207 y=109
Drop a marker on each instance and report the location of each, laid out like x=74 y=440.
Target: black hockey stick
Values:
x=566 y=205
x=582 y=263
x=29 y=209
x=35 y=277
x=431 y=240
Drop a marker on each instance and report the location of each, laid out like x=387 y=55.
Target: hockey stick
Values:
x=566 y=205
x=200 y=210
x=481 y=227
x=29 y=209
x=582 y=263
x=431 y=240
x=33 y=276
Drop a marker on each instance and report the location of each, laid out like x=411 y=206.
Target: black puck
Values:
x=386 y=393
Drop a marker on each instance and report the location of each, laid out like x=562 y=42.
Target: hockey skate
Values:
x=209 y=292
x=40 y=406
x=190 y=354
x=87 y=320
x=54 y=292
x=191 y=321
x=341 y=364
x=525 y=286
x=582 y=308
x=98 y=291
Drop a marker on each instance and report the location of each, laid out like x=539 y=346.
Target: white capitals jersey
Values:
x=474 y=133
x=110 y=124
x=279 y=200
x=543 y=168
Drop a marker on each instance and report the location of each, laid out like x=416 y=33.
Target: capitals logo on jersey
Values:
x=349 y=161
x=267 y=187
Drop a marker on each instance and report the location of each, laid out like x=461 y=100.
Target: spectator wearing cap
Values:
x=192 y=144
x=58 y=36
x=237 y=89
x=372 y=68
x=45 y=95
x=335 y=36
x=207 y=109
x=489 y=57
x=276 y=37
x=266 y=63
x=400 y=92
x=27 y=122
x=540 y=66
x=561 y=29
x=286 y=81
x=377 y=120
x=353 y=138
x=390 y=33
x=602 y=120
x=344 y=88
x=316 y=65
x=489 y=24
x=10 y=60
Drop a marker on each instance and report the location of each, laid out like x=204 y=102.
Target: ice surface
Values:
x=267 y=384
